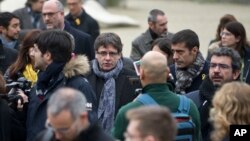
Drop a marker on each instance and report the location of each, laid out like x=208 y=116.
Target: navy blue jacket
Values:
x=37 y=108
x=83 y=41
x=86 y=24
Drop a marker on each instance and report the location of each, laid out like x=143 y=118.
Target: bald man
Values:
x=53 y=17
x=153 y=74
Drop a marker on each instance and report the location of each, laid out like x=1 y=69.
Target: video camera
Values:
x=13 y=86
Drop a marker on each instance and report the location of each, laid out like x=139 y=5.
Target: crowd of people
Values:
x=61 y=79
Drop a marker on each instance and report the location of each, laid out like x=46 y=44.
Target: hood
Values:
x=78 y=65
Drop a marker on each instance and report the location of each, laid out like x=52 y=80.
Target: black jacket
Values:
x=12 y=124
x=71 y=76
x=93 y=133
x=126 y=84
x=203 y=100
x=86 y=24
x=83 y=41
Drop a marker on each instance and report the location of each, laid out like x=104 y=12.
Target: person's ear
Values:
x=48 y=57
x=236 y=74
x=238 y=39
x=142 y=73
x=84 y=120
x=195 y=50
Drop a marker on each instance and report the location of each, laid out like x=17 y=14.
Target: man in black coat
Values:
x=113 y=83
x=82 y=21
x=224 y=67
x=58 y=68
x=53 y=16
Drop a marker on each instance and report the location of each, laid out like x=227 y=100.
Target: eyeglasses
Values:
x=59 y=130
x=104 y=53
x=49 y=14
x=226 y=34
x=221 y=66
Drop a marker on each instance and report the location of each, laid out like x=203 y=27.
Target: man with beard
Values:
x=224 y=67
x=157 y=22
x=9 y=29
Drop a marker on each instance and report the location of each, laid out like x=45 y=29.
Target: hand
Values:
x=21 y=102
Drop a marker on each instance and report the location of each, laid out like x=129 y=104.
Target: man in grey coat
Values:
x=157 y=22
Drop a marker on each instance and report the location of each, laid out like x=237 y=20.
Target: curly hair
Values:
x=230 y=106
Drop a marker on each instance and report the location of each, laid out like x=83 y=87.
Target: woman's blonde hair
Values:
x=231 y=105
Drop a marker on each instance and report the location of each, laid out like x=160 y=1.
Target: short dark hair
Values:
x=57 y=42
x=106 y=39
x=229 y=52
x=164 y=44
x=5 y=18
x=153 y=15
x=187 y=36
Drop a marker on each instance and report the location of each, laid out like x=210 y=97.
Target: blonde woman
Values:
x=230 y=106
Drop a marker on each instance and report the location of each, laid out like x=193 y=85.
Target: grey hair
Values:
x=59 y=6
x=153 y=15
x=67 y=99
x=229 y=52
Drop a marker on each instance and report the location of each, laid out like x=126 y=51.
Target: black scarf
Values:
x=45 y=78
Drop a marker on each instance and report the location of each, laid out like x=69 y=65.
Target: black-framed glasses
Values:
x=104 y=53
x=221 y=66
x=49 y=14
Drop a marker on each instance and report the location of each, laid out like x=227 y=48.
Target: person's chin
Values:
x=50 y=27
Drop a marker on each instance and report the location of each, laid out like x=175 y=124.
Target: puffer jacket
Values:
x=71 y=76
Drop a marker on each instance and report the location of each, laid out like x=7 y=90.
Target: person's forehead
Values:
x=220 y=59
x=50 y=6
x=107 y=47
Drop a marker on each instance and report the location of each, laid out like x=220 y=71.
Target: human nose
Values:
x=175 y=56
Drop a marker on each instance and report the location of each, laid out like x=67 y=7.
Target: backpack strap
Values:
x=146 y=99
x=184 y=105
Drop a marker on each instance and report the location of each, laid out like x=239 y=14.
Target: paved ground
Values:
x=203 y=18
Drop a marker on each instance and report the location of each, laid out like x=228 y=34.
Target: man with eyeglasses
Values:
x=224 y=67
x=53 y=16
x=113 y=83
x=68 y=120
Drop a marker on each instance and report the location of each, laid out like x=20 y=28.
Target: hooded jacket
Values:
x=71 y=76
